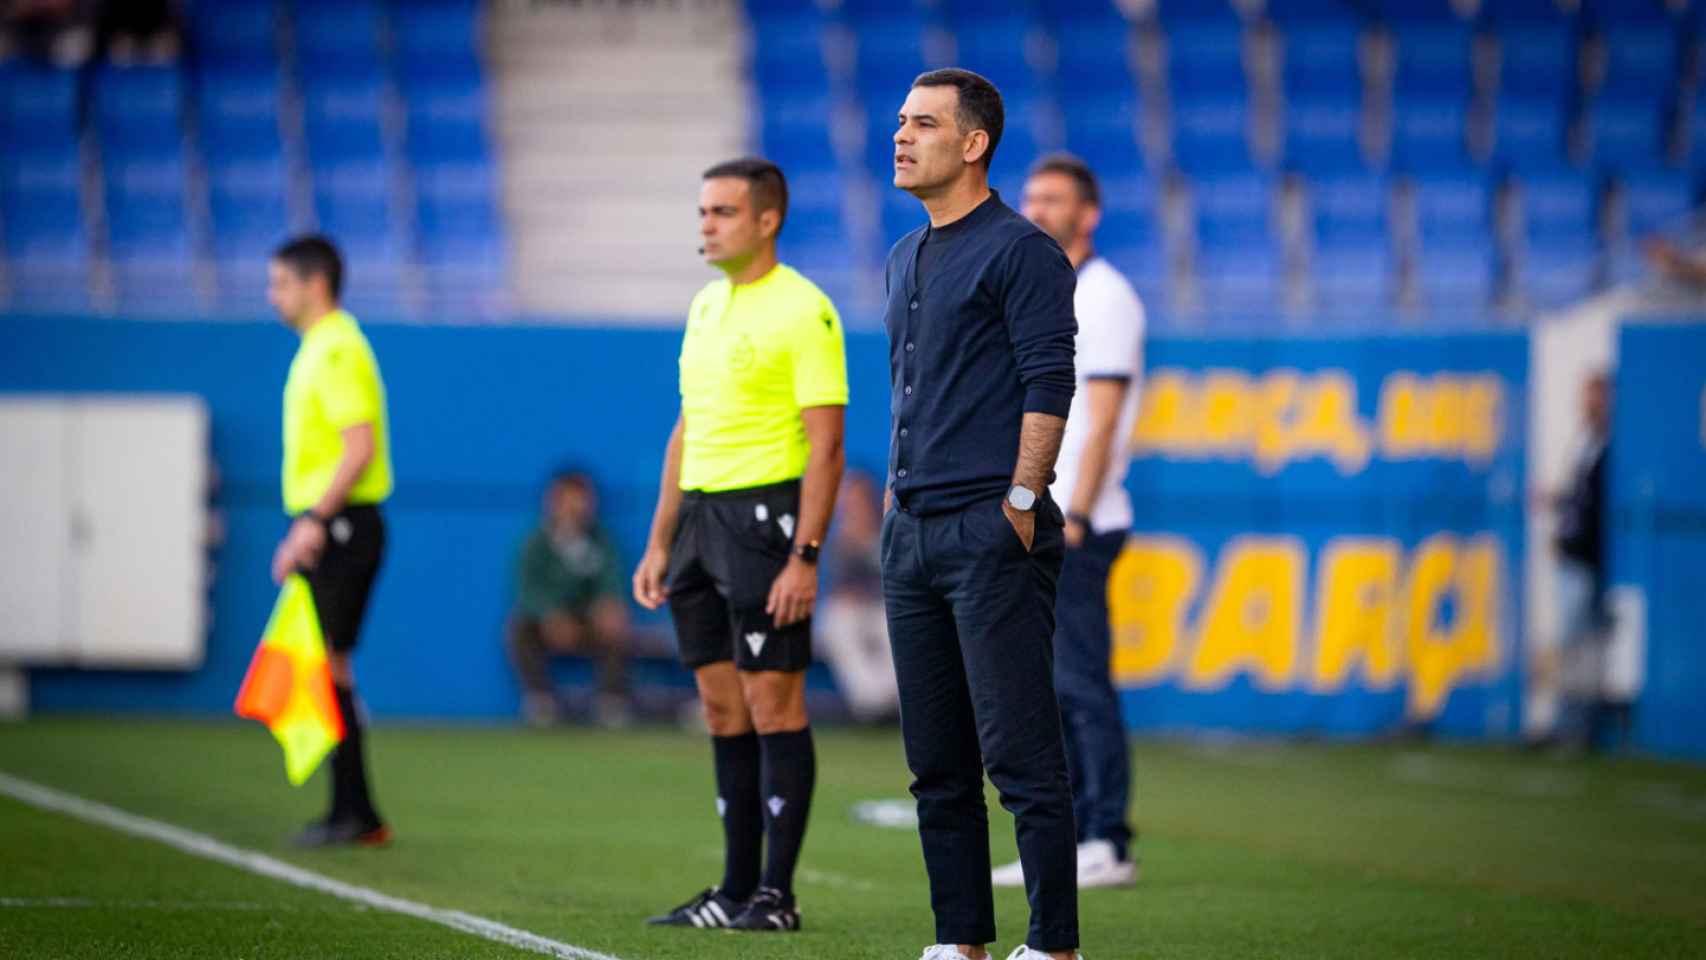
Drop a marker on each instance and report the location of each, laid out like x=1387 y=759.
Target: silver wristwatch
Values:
x=1022 y=498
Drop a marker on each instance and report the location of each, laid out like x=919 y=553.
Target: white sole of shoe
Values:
x=1118 y=875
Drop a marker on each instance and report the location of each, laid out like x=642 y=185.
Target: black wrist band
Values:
x=1079 y=519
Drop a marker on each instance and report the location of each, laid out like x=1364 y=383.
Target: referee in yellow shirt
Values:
x=337 y=470
x=749 y=483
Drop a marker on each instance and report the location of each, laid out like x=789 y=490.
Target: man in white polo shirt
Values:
x=1063 y=198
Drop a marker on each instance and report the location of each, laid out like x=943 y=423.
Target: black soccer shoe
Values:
x=343 y=832
x=769 y=910
x=709 y=910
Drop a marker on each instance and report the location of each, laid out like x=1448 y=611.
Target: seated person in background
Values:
x=853 y=636
x=569 y=600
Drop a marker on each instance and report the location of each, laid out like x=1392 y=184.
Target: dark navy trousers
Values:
x=971 y=620
x=1096 y=749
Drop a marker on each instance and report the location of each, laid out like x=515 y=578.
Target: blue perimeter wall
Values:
x=480 y=415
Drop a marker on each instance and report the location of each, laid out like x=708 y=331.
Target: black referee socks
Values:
x=790 y=771
x=350 y=798
x=738 y=805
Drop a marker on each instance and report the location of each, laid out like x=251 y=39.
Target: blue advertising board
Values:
x=1657 y=520
x=1328 y=536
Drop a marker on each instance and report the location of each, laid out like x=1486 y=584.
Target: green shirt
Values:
x=566 y=575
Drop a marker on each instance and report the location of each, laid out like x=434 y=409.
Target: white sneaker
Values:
x=1099 y=865
x=941 y=951
x=1023 y=952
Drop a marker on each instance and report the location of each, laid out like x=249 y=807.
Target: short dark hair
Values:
x=980 y=103
x=1071 y=165
x=571 y=477
x=769 y=187
x=314 y=256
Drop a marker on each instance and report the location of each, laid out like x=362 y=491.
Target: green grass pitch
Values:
x=1249 y=850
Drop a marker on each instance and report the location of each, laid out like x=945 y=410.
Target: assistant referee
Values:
x=337 y=471
x=749 y=483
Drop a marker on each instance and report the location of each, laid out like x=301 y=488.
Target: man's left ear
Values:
x=1092 y=220
x=769 y=223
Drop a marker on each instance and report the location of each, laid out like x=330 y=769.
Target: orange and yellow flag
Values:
x=289 y=684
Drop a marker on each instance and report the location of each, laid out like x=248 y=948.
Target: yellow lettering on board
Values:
x=1483 y=417
x=1403 y=416
x=1356 y=591
x=1252 y=620
x=1445 y=415
x=1228 y=412
x=1149 y=591
x=1276 y=435
x=1162 y=419
x=1333 y=426
x=1441 y=656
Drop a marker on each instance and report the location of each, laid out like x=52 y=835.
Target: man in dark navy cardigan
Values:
x=981 y=334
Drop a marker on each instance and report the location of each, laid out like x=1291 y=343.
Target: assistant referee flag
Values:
x=289 y=684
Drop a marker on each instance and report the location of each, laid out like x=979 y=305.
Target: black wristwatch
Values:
x=1080 y=519
x=807 y=551
x=311 y=515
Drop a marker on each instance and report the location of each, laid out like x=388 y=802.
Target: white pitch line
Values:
x=200 y=845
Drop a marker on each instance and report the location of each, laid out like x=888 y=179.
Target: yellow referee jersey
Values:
x=333 y=385
x=753 y=357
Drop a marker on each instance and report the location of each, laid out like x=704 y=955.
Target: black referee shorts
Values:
x=343 y=579
x=729 y=548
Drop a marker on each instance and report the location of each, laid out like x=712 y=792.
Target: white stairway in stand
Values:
x=606 y=113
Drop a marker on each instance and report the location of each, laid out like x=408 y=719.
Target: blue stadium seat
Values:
x=1553 y=271
x=890 y=54
x=1412 y=13
x=436 y=39
x=139 y=110
x=1538 y=60
x=1523 y=13
x=1348 y=275
x=787 y=53
x=447 y=122
x=352 y=203
x=1322 y=132
x=1431 y=132
x=1642 y=59
x=1628 y=130
x=1233 y=210
x=998 y=46
x=1032 y=128
x=901 y=215
x=1655 y=199
x=1434 y=60
x=337 y=34
x=1205 y=58
x=1290 y=13
x=234 y=32
x=343 y=115
x=1452 y=206
x=1558 y=205
x=46 y=244
x=1144 y=263
x=148 y=235
x=249 y=214
x=237 y=114
x=461 y=241
x=1456 y=272
x=1104 y=131
x=1243 y=277
x=1528 y=132
x=1321 y=57
x=1210 y=135
x=1354 y=207
x=1094 y=57
x=39 y=111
